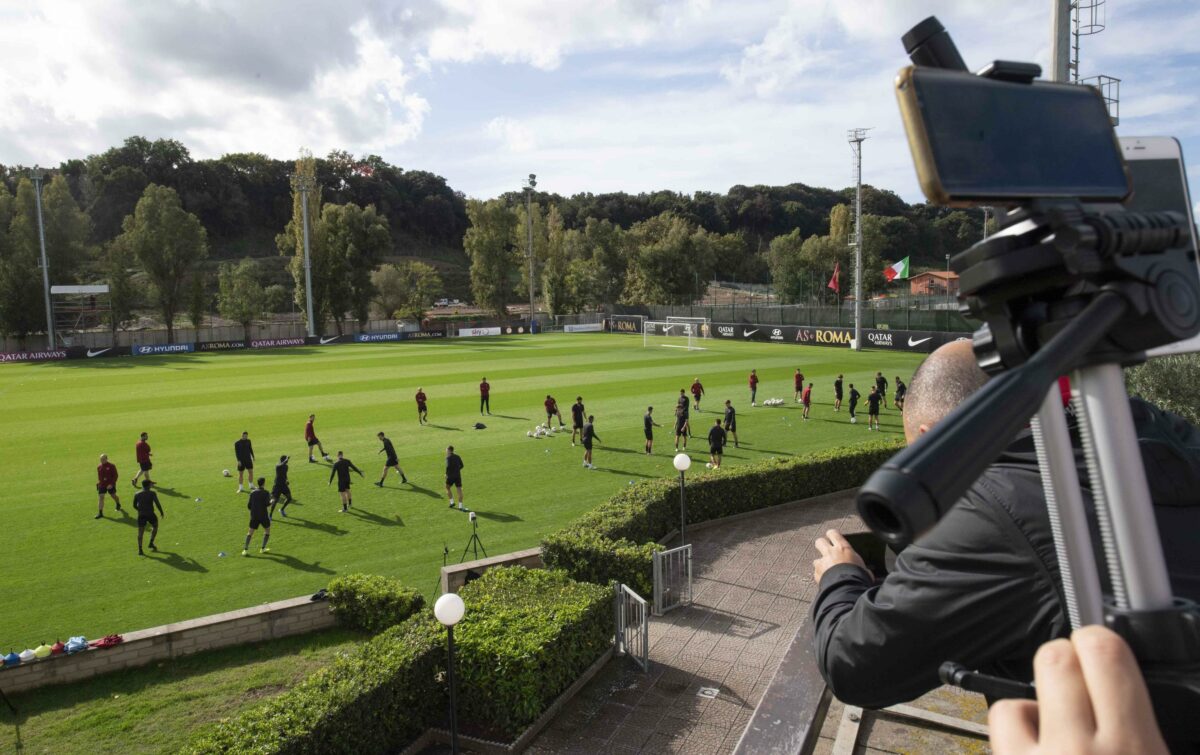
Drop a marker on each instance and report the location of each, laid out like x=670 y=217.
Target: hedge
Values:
x=373 y=700
x=527 y=635
x=372 y=603
x=616 y=540
x=1168 y=382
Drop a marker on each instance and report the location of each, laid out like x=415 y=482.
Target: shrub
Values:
x=374 y=700
x=527 y=635
x=616 y=540
x=371 y=602
x=1168 y=383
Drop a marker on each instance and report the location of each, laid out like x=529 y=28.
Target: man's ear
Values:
x=922 y=428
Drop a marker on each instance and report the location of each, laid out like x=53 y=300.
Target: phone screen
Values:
x=1002 y=140
x=1157 y=186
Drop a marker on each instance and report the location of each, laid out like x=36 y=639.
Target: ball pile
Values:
x=773 y=402
x=541 y=431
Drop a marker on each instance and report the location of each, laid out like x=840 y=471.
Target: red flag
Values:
x=833 y=282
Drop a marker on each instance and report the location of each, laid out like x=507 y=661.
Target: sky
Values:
x=591 y=95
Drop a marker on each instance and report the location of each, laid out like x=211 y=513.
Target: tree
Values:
x=605 y=245
x=67 y=231
x=277 y=298
x=197 y=300
x=168 y=243
x=124 y=296
x=240 y=296
x=405 y=290
x=520 y=245
x=488 y=243
x=789 y=270
x=557 y=293
x=22 y=309
x=668 y=259
x=354 y=239
x=291 y=243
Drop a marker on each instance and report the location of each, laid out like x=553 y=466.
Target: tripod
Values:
x=474 y=545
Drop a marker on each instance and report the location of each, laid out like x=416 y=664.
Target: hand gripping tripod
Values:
x=1065 y=288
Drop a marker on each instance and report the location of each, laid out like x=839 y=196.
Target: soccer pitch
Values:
x=68 y=574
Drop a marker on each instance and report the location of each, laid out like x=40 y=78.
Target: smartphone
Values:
x=1160 y=183
x=978 y=140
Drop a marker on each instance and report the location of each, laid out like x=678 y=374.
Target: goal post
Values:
x=673 y=335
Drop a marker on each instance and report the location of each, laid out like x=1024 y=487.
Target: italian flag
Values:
x=898 y=270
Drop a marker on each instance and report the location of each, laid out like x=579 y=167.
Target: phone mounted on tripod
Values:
x=1071 y=284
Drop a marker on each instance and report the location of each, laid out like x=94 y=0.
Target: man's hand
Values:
x=834 y=550
x=1091 y=698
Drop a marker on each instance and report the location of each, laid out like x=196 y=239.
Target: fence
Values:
x=672 y=579
x=923 y=313
x=633 y=626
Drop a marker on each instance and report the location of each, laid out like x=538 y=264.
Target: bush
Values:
x=374 y=700
x=372 y=603
x=527 y=635
x=616 y=540
x=1168 y=383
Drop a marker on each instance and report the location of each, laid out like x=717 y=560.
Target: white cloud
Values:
x=513 y=135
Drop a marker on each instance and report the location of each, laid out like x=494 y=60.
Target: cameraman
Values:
x=982 y=587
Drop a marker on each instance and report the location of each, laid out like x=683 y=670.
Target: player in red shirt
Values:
x=106 y=482
x=798 y=384
x=697 y=392
x=422 y=408
x=807 y=399
x=552 y=411
x=753 y=386
x=142 y=451
x=310 y=437
x=484 y=393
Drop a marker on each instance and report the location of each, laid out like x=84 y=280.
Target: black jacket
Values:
x=982 y=587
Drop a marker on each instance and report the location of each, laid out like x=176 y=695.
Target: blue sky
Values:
x=597 y=96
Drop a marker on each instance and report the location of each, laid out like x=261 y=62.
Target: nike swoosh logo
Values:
x=748 y=333
x=912 y=343
x=667 y=328
x=91 y=353
x=325 y=340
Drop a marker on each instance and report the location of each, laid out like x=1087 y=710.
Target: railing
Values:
x=672 y=579
x=633 y=626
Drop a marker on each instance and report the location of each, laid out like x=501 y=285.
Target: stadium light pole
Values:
x=449 y=610
x=682 y=462
x=856 y=136
x=530 y=185
x=305 y=184
x=36 y=175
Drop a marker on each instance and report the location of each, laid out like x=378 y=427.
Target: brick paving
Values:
x=752 y=590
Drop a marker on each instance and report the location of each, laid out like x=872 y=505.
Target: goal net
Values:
x=674 y=335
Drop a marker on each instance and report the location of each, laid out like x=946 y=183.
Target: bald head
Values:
x=944 y=380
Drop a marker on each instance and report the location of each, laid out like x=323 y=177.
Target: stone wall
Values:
x=455 y=576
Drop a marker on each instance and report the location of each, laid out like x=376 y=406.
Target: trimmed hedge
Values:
x=616 y=540
x=374 y=700
x=1168 y=382
x=372 y=603
x=527 y=635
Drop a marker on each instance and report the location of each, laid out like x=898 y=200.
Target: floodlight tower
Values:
x=37 y=175
x=304 y=184
x=856 y=136
x=530 y=185
x=1070 y=21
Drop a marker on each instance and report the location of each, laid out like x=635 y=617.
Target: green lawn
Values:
x=66 y=574
x=156 y=709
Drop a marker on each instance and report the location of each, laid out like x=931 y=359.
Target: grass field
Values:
x=65 y=573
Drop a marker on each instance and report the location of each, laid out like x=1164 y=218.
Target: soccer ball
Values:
x=528 y=433
x=753 y=404
x=708 y=465
x=226 y=473
x=853 y=420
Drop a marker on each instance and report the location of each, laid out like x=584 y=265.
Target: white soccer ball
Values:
x=853 y=420
x=708 y=465
x=226 y=473
x=753 y=404
x=528 y=433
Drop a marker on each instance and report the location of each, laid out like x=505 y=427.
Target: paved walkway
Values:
x=753 y=586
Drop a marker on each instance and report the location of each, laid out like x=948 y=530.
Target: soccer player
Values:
x=391 y=462
x=681 y=428
x=901 y=391
x=697 y=392
x=716 y=444
x=144 y=503
x=454 y=467
x=874 y=398
x=260 y=499
x=854 y=397
x=310 y=437
x=837 y=394
x=798 y=384
x=589 y=436
x=577 y=415
x=484 y=391
x=807 y=399
x=731 y=422
x=881 y=387
x=422 y=406
x=342 y=468
x=280 y=487
x=649 y=424
x=552 y=411
x=753 y=386
x=106 y=482
x=142 y=451
x=245 y=459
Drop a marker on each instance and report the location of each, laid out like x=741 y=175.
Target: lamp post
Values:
x=36 y=175
x=449 y=610
x=305 y=184
x=530 y=185
x=682 y=461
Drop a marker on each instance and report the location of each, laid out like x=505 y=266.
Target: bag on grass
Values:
x=12 y=659
x=27 y=655
x=108 y=641
x=58 y=648
x=42 y=651
x=75 y=644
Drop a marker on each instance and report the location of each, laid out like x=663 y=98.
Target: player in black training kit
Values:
x=589 y=435
x=681 y=421
x=901 y=390
x=873 y=400
x=260 y=501
x=244 y=452
x=837 y=394
x=144 y=503
x=391 y=462
x=342 y=468
x=454 y=468
x=716 y=444
x=731 y=422
x=577 y=415
x=280 y=488
x=854 y=397
x=649 y=424
x=881 y=386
